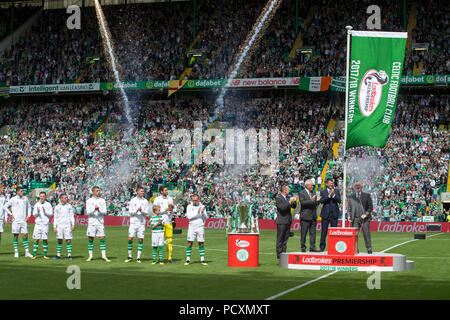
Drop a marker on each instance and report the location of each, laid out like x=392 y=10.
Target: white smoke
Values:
x=367 y=170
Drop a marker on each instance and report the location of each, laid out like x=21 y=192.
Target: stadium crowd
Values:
x=19 y=13
x=222 y=38
x=405 y=177
x=431 y=20
x=159 y=43
x=43 y=142
x=58 y=143
x=50 y=53
x=304 y=144
x=65 y=152
x=54 y=143
x=327 y=36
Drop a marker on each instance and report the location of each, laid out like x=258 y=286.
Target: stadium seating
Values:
x=19 y=13
x=58 y=139
x=53 y=142
x=152 y=42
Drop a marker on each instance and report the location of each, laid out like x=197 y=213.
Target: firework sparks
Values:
x=127 y=158
x=108 y=46
x=247 y=49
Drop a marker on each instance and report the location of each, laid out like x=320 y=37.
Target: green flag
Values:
x=374 y=77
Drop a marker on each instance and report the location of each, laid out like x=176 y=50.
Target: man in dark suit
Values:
x=308 y=216
x=360 y=207
x=330 y=197
x=284 y=218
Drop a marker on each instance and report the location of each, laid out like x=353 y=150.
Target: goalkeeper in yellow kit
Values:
x=166 y=204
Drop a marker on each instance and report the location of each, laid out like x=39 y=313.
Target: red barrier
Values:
x=220 y=223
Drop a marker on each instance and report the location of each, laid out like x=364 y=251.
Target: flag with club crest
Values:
x=375 y=73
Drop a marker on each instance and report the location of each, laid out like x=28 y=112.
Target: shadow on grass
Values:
x=146 y=281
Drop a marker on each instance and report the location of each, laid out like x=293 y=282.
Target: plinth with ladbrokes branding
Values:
x=243 y=240
x=342 y=241
x=243 y=249
x=343 y=255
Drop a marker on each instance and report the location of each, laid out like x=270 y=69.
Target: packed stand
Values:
x=327 y=35
x=66 y=153
x=150 y=40
x=45 y=142
x=50 y=53
x=223 y=37
x=20 y=14
x=406 y=176
x=304 y=143
x=432 y=29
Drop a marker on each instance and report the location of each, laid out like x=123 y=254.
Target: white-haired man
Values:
x=308 y=216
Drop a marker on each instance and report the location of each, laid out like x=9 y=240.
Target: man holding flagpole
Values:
x=360 y=208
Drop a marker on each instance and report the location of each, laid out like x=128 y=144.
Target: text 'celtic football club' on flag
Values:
x=374 y=78
x=175 y=85
x=315 y=83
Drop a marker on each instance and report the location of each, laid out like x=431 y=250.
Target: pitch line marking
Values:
x=301 y=285
x=397 y=245
x=333 y=272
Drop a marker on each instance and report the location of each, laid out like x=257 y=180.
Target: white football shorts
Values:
x=157 y=239
x=40 y=231
x=196 y=233
x=95 y=231
x=138 y=230
x=64 y=232
x=19 y=227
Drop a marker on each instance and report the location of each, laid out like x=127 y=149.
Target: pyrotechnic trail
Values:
x=246 y=50
x=122 y=170
x=110 y=55
x=250 y=43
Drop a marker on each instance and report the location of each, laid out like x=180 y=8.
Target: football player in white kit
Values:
x=166 y=204
x=2 y=211
x=96 y=210
x=20 y=212
x=42 y=212
x=63 y=225
x=157 y=224
x=138 y=208
x=196 y=213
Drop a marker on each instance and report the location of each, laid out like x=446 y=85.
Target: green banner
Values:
x=425 y=79
x=313 y=84
x=213 y=83
x=338 y=84
x=137 y=85
x=375 y=73
x=46 y=88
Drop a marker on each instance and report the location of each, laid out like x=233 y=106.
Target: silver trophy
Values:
x=243 y=210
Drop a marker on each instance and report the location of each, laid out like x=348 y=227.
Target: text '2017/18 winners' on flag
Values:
x=374 y=78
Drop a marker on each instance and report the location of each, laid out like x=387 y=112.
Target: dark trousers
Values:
x=365 y=226
x=324 y=234
x=282 y=237
x=306 y=226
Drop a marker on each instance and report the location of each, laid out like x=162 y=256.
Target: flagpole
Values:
x=344 y=187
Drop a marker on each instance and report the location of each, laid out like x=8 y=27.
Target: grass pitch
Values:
x=24 y=278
